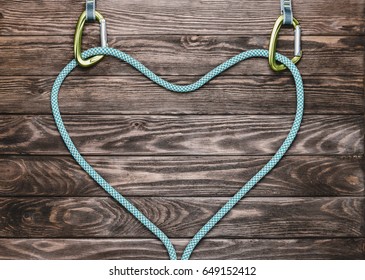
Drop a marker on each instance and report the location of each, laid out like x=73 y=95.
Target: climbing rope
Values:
x=183 y=89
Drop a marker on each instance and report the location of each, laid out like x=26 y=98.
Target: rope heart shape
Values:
x=177 y=88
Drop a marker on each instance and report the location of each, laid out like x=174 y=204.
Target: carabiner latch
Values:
x=78 y=39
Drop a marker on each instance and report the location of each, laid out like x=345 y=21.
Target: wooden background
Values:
x=179 y=157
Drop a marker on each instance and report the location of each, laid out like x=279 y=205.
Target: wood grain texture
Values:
x=181 y=16
x=181 y=55
x=267 y=95
x=179 y=157
x=182 y=135
x=182 y=217
x=218 y=249
x=182 y=176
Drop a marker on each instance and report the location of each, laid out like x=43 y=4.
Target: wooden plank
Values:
x=182 y=176
x=224 y=95
x=214 y=249
x=182 y=55
x=181 y=16
x=164 y=35
x=182 y=217
x=182 y=135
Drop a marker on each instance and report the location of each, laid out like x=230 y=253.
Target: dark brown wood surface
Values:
x=209 y=248
x=181 y=16
x=264 y=95
x=179 y=157
x=176 y=55
x=182 y=176
x=183 y=135
x=250 y=218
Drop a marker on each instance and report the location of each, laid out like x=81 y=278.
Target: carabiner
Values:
x=78 y=40
x=274 y=38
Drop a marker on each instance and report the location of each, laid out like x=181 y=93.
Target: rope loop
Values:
x=179 y=88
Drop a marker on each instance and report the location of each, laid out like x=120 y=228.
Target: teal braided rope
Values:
x=177 y=88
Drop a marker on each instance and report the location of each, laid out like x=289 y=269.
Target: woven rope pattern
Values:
x=183 y=89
